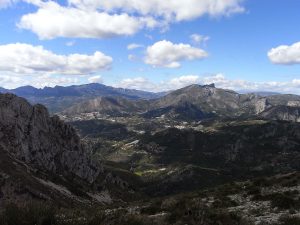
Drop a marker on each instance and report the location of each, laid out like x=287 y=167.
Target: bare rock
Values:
x=29 y=134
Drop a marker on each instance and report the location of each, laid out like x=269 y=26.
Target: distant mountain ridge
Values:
x=92 y=89
x=58 y=98
x=194 y=102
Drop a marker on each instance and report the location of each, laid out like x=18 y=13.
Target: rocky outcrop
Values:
x=260 y=105
x=44 y=143
x=287 y=113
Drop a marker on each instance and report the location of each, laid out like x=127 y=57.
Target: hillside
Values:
x=282 y=112
x=42 y=158
x=108 y=105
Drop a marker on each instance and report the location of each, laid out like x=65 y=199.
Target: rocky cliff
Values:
x=45 y=143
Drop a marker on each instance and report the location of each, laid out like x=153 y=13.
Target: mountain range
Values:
x=58 y=98
x=195 y=102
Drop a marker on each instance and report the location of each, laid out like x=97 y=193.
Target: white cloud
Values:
x=183 y=81
x=138 y=83
x=110 y=18
x=53 y=20
x=51 y=81
x=219 y=80
x=170 y=10
x=285 y=54
x=273 y=86
x=166 y=54
x=27 y=59
x=7 y=81
x=199 y=39
x=39 y=81
x=142 y=83
x=95 y=79
x=134 y=46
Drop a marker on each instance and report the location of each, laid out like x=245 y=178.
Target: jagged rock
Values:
x=45 y=143
x=260 y=105
x=287 y=113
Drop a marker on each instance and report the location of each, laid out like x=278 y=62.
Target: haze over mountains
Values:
x=194 y=102
x=59 y=97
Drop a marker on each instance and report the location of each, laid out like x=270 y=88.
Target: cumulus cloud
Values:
x=170 y=10
x=219 y=80
x=166 y=54
x=6 y=80
x=182 y=81
x=95 y=79
x=199 y=39
x=53 y=20
x=27 y=59
x=142 y=83
x=110 y=18
x=285 y=54
x=138 y=83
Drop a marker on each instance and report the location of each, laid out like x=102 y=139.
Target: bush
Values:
x=152 y=209
x=32 y=214
x=253 y=190
x=283 y=201
x=290 y=220
x=224 y=202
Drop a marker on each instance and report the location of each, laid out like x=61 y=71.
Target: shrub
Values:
x=224 y=202
x=290 y=220
x=283 y=201
x=253 y=190
x=31 y=214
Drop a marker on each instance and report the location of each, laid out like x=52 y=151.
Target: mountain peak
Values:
x=212 y=85
x=196 y=88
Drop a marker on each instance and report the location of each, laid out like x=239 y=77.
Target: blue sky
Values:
x=237 y=44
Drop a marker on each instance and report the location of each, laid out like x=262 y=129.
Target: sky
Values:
x=153 y=45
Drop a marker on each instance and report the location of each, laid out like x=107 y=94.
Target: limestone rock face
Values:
x=45 y=143
x=261 y=105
